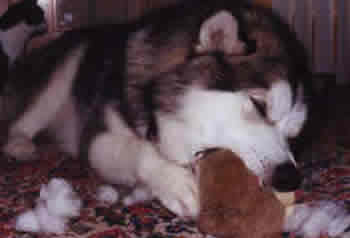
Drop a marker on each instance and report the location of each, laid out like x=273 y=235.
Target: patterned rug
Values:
x=325 y=164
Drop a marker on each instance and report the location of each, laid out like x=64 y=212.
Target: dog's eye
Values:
x=260 y=106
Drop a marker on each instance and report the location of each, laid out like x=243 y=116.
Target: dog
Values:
x=139 y=99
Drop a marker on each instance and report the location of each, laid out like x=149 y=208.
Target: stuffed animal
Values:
x=233 y=204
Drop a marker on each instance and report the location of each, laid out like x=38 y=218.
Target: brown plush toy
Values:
x=233 y=204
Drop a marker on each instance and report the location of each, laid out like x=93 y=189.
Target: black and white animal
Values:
x=138 y=100
x=17 y=24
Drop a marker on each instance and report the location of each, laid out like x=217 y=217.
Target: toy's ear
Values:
x=220 y=32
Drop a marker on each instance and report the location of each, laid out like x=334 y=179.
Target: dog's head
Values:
x=231 y=120
x=263 y=144
x=264 y=116
x=261 y=139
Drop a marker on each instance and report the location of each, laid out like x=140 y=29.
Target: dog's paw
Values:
x=175 y=186
x=21 y=148
x=177 y=190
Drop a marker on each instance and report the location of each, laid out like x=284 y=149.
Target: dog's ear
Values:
x=220 y=33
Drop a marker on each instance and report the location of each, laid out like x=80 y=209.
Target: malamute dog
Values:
x=140 y=99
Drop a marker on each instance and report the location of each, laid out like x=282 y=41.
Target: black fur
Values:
x=4 y=62
x=26 y=11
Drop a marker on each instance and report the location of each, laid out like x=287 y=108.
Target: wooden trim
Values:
x=265 y=3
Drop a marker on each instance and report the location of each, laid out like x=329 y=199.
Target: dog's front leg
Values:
x=126 y=159
x=174 y=185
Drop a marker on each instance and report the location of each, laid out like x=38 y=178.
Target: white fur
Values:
x=288 y=118
x=292 y=122
x=279 y=100
x=121 y=157
x=107 y=194
x=174 y=185
x=220 y=119
x=113 y=154
x=56 y=205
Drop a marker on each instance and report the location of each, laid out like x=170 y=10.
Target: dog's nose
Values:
x=286 y=178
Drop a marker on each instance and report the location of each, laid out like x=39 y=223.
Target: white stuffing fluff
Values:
x=60 y=198
x=107 y=194
x=56 y=205
x=311 y=220
x=27 y=221
x=49 y=223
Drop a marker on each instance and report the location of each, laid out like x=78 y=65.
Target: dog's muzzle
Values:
x=286 y=178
